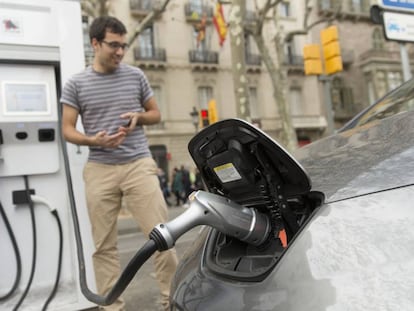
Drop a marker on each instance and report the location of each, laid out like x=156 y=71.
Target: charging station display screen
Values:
x=25 y=98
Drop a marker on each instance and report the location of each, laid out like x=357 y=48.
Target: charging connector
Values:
x=216 y=211
x=20 y=196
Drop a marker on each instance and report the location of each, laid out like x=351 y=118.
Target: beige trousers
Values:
x=137 y=185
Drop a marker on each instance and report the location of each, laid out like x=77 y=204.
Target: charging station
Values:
x=41 y=46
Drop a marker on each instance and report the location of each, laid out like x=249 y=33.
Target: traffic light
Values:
x=312 y=59
x=331 y=50
x=212 y=112
x=204 y=117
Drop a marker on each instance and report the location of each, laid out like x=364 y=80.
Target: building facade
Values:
x=186 y=71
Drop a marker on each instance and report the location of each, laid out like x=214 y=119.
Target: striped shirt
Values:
x=101 y=99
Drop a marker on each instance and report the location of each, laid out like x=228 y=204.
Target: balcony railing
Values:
x=141 y=7
x=253 y=59
x=205 y=57
x=293 y=60
x=151 y=54
x=329 y=5
x=361 y=8
x=195 y=12
x=348 y=10
x=380 y=55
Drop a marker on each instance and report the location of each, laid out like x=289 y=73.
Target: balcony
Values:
x=346 y=10
x=294 y=63
x=193 y=13
x=361 y=8
x=204 y=60
x=253 y=62
x=377 y=55
x=140 y=8
x=154 y=58
x=328 y=7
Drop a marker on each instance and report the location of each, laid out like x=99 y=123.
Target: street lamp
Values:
x=195 y=118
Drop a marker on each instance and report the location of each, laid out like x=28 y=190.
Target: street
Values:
x=142 y=294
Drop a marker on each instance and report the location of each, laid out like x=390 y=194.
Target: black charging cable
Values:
x=32 y=270
x=141 y=256
x=16 y=254
x=59 y=267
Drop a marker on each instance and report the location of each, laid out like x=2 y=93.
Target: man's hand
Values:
x=110 y=141
x=131 y=121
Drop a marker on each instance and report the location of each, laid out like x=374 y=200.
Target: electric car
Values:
x=341 y=218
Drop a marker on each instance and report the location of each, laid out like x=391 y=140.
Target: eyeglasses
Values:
x=116 y=45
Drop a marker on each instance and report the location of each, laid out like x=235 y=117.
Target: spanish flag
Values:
x=220 y=23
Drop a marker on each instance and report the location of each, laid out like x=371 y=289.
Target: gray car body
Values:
x=357 y=250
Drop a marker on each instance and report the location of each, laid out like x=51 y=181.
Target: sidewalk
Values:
x=127 y=225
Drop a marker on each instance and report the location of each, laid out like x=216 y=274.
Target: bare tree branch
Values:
x=89 y=9
x=95 y=8
x=262 y=13
x=148 y=20
x=306 y=28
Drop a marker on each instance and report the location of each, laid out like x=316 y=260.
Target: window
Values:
x=356 y=6
x=381 y=83
x=86 y=41
x=290 y=52
x=146 y=5
x=196 y=6
x=253 y=104
x=295 y=101
x=205 y=93
x=252 y=56
x=158 y=98
x=386 y=81
x=284 y=9
x=342 y=98
x=326 y=4
x=394 y=79
x=146 y=42
x=360 y=6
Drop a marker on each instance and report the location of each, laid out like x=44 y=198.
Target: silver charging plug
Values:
x=216 y=211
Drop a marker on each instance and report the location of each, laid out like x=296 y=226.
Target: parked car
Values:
x=399 y=100
x=346 y=203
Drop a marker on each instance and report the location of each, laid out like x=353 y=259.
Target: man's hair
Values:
x=102 y=24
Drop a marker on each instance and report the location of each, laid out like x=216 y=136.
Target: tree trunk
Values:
x=279 y=80
x=238 y=59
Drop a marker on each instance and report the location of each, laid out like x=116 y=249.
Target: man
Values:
x=114 y=101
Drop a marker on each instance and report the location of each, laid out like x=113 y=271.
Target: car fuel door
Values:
x=242 y=163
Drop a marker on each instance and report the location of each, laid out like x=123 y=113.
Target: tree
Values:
x=95 y=8
x=277 y=72
x=241 y=92
x=157 y=10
